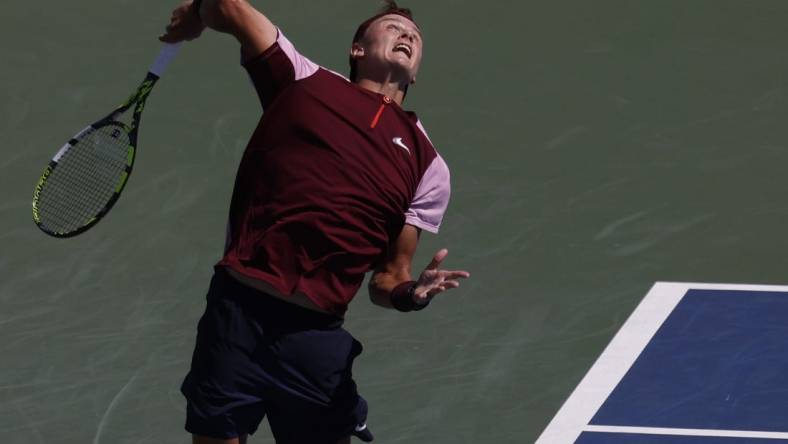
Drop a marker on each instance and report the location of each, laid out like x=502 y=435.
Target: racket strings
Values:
x=85 y=179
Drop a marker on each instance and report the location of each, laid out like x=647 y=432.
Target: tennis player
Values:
x=337 y=180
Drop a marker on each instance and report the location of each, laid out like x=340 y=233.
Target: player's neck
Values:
x=390 y=89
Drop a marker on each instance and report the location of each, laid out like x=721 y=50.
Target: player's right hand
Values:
x=185 y=24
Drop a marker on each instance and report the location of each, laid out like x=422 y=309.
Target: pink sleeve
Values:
x=302 y=66
x=277 y=68
x=432 y=197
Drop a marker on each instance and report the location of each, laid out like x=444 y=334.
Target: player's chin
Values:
x=403 y=70
x=407 y=64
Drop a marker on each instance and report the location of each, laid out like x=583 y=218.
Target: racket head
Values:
x=84 y=179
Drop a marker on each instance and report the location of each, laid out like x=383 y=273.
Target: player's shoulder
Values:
x=422 y=131
x=437 y=163
x=420 y=126
x=337 y=76
x=297 y=58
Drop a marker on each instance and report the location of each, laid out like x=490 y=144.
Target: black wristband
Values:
x=196 y=7
x=402 y=297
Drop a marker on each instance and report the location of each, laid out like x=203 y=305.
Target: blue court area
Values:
x=632 y=438
x=694 y=364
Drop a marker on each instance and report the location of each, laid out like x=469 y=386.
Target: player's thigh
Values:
x=315 y=399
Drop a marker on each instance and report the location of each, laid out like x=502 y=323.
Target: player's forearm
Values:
x=378 y=293
x=220 y=15
x=381 y=285
x=240 y=19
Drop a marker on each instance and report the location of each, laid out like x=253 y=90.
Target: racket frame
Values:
x=137 y=99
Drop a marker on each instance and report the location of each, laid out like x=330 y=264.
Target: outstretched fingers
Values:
x=449 y=280
x=437 y=259
x=434 y=280
x=455 y=274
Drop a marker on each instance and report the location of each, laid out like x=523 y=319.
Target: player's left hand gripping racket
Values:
x=85 y=178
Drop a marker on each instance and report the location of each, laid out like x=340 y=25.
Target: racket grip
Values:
x=167 y=53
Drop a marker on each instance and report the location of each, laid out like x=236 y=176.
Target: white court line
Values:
x=617 y=358
x=613 y=364
x=687 y=432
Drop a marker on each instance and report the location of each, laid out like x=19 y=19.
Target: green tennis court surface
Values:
x=595 y=148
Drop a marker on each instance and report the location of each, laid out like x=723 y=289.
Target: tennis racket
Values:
x=86 y=176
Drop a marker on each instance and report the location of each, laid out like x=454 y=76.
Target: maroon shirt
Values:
x=329 y=178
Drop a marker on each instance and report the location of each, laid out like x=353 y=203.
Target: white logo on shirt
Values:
x=398 y=141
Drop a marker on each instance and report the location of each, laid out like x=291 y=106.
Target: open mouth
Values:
x=404 y=48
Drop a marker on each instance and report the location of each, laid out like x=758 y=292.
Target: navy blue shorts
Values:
x=257 y=356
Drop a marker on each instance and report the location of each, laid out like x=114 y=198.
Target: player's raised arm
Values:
x=235 y=17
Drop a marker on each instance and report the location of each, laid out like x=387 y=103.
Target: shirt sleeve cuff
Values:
x=418 y=223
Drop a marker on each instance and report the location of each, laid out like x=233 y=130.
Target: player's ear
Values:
x=356 y=51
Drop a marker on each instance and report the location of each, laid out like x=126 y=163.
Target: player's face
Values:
x=395 y=43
